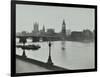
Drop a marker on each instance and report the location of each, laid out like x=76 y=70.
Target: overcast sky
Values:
x=76 y=19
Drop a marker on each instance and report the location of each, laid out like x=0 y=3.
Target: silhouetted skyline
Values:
x=76 y=19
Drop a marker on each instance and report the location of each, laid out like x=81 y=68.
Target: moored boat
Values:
x=28 y=47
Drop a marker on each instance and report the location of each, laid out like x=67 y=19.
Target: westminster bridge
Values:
x=37 y=38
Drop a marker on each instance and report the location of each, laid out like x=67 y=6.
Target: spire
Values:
x=43 y=28
x=63 y=22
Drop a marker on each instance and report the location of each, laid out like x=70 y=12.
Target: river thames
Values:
x=75 y=55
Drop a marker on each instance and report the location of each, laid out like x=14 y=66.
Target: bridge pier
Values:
x=35 y=39
x=45 y=39
x=22 y=40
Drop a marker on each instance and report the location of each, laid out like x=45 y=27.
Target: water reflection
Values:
x=63 y=43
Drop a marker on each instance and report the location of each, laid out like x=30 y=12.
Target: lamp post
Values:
x=49 y=59
x=24 y=55
x=24 y=41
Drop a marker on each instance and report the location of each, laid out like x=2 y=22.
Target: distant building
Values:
x=82 y=35
x=63 y=31
x=88 y=34
x=35 y=29
x=24 y=33
x=77 y=35
x=43 y=29
x=50 y=31
x=68 y=32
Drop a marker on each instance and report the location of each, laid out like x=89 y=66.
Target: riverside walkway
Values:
x=25 y=65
